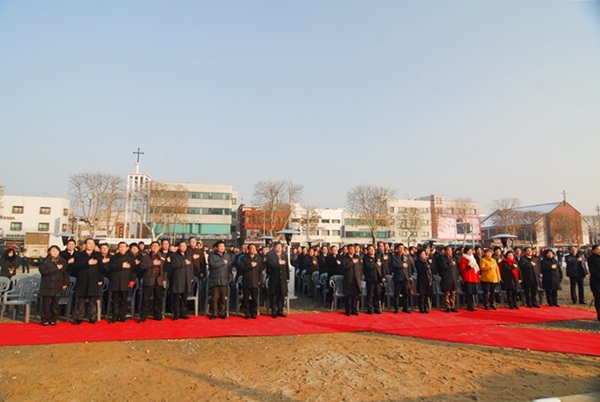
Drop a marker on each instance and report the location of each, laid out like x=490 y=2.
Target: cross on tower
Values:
x=138 y=152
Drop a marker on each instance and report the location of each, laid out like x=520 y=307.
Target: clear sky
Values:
x=472 y=99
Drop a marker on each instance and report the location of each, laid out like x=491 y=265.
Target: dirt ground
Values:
x=333 y=367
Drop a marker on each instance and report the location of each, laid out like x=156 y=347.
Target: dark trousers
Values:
x=577 y=289
x=86 y=304
x=597 y=304
x=218 y=300
x=277 y=302
x=119 y=304
x=351 y=304
x=489 y=289
x=250 y=302
x=179 y=305
x=49 y=311
x=158 y=293
x=401 y=290
x=512 y=298
x=25 y=264
x=424 y=302
x=373 y=296
x=552 y=297
x=531 y=296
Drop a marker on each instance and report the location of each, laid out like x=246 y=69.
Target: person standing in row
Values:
x=122 y=278
x=400 y=265
x=220 y=265
x=251 y=266
x=424 y=281
x=154 y=279
x=511 y=276
x=87 y=267
x=278 y=273
x=352 y=271
x=490 y=277
x=530 y=273
x=373 y=272
x=470 y=275
x=594 y=266
x=182 y=278
x=551 y=277
x=55 y=279
x=576 y=271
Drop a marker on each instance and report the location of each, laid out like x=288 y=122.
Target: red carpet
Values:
x=480 y=328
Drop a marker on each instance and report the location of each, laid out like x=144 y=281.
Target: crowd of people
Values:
x=166 y=270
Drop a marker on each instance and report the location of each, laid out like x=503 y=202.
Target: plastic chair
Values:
x=102 y=290
x=22 y=294
x=195 y=294
x=4 y=285
x=336 y=282
x=324 y=287
x=66 y=297
x=316 y=284
x=389 y=290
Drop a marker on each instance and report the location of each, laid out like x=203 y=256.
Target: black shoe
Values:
x=395 y=311
x=211 y=317
x=348 y=314
x=494 y=307
x=447 y=310
x=486 y=308
x=369 y=312
x=582 y=302
x=112 y=320
x=223 y=317
x=158 y=318
x=93 y=321
x=175 y=318
x=274 y=315
x=52 y=323
x=253 y=316
x=141 y=320
x=45 y=324
x=185 y=317
x=355 y=313
x=454 y=310
x=282 y=315
x=122 y=319
x=76 y=322
x=536 y=306
x=377 y=312
x=406 y=311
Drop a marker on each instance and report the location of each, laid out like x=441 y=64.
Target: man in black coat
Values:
x=530 y=277
x=576 y=271
x=86 y=267
x=594 y=266
x=122 y=277
x=154 y=279
x=182 y=278
x=68 y=254
x=251 y=267
x=373 y=271
x=401 y=269
x=352 y=271
x=278 y=273
x=447 y=269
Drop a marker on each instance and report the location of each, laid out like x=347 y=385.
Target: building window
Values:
x=66 y=212
x=16 y=226
x=336 y=232
x=45 y=210
x=43 y=227
x=336 y=221
x=17 y=209
x=64 y=227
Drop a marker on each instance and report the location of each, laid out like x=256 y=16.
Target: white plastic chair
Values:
x=336 y=283
x=195 y=294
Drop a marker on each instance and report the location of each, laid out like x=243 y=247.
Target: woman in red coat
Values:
x=470 y=276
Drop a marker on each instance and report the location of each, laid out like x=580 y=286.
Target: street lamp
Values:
x=288 y=233
x=267 y=239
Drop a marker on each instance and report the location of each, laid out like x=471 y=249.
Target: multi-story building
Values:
x=253 y=224
x=318 y=225
x=411 y=223
x=454 y=221
x=23 y=214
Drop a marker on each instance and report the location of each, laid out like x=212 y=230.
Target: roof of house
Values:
x=491 y=221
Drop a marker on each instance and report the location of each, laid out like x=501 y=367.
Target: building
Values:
x=411 y=223
x=555 y=224
x=454 y=221
x=23 y=214
x=253 y=224
x=318 y=226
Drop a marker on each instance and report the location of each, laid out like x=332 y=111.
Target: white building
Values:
x=24 y=214
x=411 y=224
x=318 y=225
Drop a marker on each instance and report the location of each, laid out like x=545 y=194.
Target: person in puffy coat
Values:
x=55 y=279
x=490 y=277
x=511 y=275
x=551 y=277
x=470 y=276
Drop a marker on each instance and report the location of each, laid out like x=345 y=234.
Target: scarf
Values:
x=513 y=269
x=472 y=262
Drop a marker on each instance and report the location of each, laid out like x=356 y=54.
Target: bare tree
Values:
x=508 y=220
x=529 y=225
x=462 y=210
x=160 y=207
x=98 y=199
x=370 y=204
x=277 y=199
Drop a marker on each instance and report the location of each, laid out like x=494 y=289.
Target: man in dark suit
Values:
x=400 y=267
x=182 y=278
x=86 y=266
x=220 y=264
x=154 y=279
x=352 y=271
x=251 y=266
x=122 y=277
x=373 y=271
x=278 y=272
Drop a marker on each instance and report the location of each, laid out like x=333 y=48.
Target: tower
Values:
x=136 y=201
